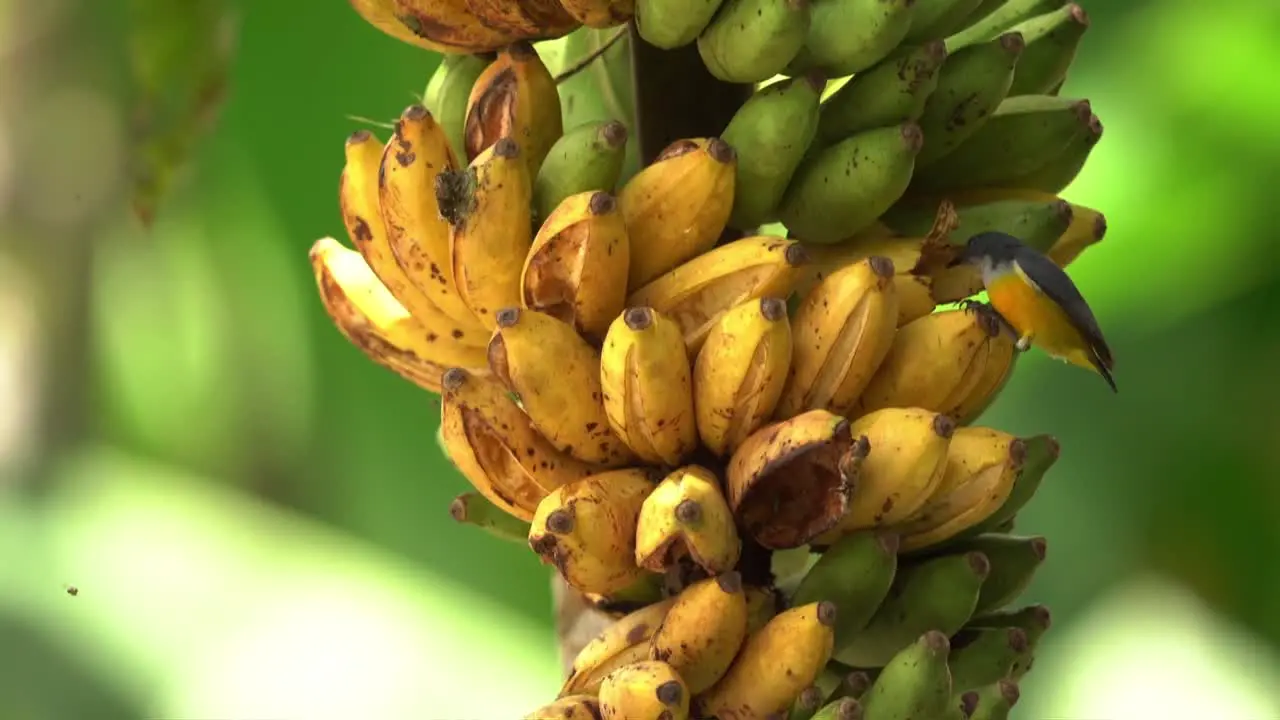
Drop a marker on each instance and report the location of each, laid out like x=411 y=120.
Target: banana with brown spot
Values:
x=576 y=270
x=515 y=97
x=443 y=26
x=624 y=642
x=699 y=292
x=703 y=631
x=556 y=375
x=600 y=14
x=490 y=440
x=646 y=690
x=587 y=530
x=774 y=666
x=687 y=516
x=524 y=19
x=379 y=326
x=648 y=391
x=572 y=707
x=677 y=206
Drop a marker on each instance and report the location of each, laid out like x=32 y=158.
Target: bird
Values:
x=1037 y=301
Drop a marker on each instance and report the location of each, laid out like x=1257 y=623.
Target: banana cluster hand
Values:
x=720 y=395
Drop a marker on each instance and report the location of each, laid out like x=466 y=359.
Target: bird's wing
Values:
x=1054 y=282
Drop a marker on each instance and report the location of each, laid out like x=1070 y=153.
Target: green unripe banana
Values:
x=892 y=92
x=1024 y=134
x=1014 y=561
x=972 y=83
x=938 y=594
x=848 y=36
x=1037 y=223
x=588 y=157
x=447 y=94
x=1041 y=453
x=770 y=132
x=750 y=41
x=842 y=709
x=1034 y=620
x=1060 y=171
x=845 y=187
x=855 y=573
x=914 y=684
x=1000 y=20
x=996 y=700
x=473 y=509
x=669 y=24
x=1052 y=40
x=935 y=19
x=981 y=657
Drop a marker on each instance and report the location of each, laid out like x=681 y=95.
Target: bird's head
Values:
x=997 y=247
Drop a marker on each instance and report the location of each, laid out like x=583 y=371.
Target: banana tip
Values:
x=827 y=613
x=458 y=509
x=614 y=134
x=638 y=318
x=796 y=255
x=1078 y=14
x=730 y=582
x=857 y=682
x=560 y=522
x=414 y=113
x=1017 y=639
x=1010 y=692
x=944 y=426
x=969 y=702
x=1039 y=547
x=1095 y=129
x=849 y=709
x=506 y=317
x=1099 y=227
x=1083 y=110
x=358 y=137
x=935 y=641
x=816 y=78
x=521 y=50
x=881 y=266
x=721 y=151
x=506 y=148
x=913 y=136
x=978 y=563
x=670 y=693
x=810 y=698
x=1013 y=43
x=773 y=309
x=1043 y=617
x=453 y=379
x=688 y=512
x=601 y=203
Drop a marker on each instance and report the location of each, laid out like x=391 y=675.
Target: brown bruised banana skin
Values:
x=417 y=236
x=491 y=441
x=740 y=372
x=600 y=14
x=774 y=666
x=515 y=97
x=522 y=19
x=687 y=516
x=371 y=319
x=576 y=270
x=586 y=529
x=572 y=707
x=703 y=631
x=904 y=467
x=644 y=690
x=677 y=206
x=441 y=26
x=490 y=228
x=556 y=375
x=648 y=390
x=843 y=330
x=943 y=362
x=623 y=642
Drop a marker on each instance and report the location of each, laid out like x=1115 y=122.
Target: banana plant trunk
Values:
x=673 y=97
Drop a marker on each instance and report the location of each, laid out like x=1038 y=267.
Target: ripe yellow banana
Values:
x=646 y=690
x=904 y=467
x=790 y=481
x=676 y=207
x=623 y=642
x=490 y=228
x=740 y=371
x=442 y=26
x=556 y=375
x=843 y=330
x=697 y=293
x=358 y=198
x=587 y=530
x=648 y=392
x=982 y=467
x=940 y=363
x=372 y=320
x=572 y=707
x=523 y=19
x=774 y=666
x=687 y=516
x=515 y=97
x=492 y=443
x=416 y=234
x=577 y=268
x=600 y=13
x=703 y=631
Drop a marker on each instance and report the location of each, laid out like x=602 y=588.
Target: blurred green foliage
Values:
x=212 y=354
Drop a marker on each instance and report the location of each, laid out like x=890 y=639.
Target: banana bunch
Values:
x=721 y=395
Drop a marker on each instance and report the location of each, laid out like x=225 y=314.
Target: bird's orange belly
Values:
x=1031 y=312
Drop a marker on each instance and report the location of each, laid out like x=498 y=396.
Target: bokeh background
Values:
x=253 y=516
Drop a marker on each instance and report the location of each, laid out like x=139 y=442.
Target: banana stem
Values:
x=676 y=97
